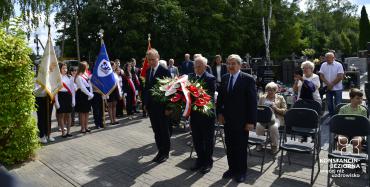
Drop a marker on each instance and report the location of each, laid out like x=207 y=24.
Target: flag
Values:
x=103 y=77
x=49 y=77
x=146 y=63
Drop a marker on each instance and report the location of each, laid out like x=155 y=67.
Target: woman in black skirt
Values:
x=83 y=95
x=130 y=90
x=114 y=96
x=65 y=100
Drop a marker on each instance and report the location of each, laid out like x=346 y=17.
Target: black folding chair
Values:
x=264 y=115
x=302 y=121
x=350 y=126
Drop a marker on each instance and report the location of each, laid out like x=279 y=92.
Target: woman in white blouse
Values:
x=64 y=101
x=308 y=75
x=83 y=95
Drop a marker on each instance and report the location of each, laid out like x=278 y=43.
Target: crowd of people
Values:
x=233 y=91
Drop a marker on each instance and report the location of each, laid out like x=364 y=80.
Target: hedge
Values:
x=18 y=130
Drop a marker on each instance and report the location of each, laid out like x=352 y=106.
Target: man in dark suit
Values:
x=202 y=126
x=187 y=66
x=237 y=110
x=218 y=70
x=156 y=110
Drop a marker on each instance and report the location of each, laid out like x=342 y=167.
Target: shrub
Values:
x=18 y=131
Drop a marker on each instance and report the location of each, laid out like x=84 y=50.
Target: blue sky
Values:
x=42 y=29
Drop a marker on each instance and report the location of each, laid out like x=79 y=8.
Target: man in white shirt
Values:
x=331 y=73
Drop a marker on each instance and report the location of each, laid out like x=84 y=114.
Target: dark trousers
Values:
x=43 y=120
x=202 y=130
x=119 y=108
x=160 y=128
x=129 y=104
x=236 y=140
x=97 y=105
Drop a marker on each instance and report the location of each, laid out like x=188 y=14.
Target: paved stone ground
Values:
x=120 y=155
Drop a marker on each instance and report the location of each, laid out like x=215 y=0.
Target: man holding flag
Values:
x=103 y=81
x=48 y=83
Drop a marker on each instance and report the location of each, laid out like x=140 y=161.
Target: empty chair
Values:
x=302 y=121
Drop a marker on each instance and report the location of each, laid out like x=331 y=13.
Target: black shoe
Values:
x=162 y=158
x=155 y=159
x=69 y=135
x=64 y=136
x=88 y=130
x=240 y=178
x=196 y=167
x=228 y=175
x=205 y=169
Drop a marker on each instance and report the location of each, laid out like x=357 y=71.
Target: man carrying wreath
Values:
x=202 y=125
x=156 y=109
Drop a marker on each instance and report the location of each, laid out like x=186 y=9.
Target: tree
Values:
x=364 y=35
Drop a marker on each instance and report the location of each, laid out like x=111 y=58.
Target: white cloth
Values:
x=330 y=73
x=118 y=84
x=315 y=79
x=218 y=69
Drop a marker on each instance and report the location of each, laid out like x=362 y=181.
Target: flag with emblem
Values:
x=48 y=76
x=103 y=74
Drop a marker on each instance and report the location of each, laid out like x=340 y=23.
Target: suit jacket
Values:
x=186 y=69
x=174 y=71
x=160 y=73
x=240 y=105
x=223 y=70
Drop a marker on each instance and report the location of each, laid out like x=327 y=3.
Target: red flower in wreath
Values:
x=194 y=91
x=206 y=97
x=176 y=98
x=200 y=102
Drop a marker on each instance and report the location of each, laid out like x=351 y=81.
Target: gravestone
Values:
x=359 y=63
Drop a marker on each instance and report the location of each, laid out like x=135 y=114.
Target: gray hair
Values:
x=309 y=64
x=235 y=57
x=329 y=54
x=271 y=85
x=202 y=59
x=163 y=63
x=152 y=51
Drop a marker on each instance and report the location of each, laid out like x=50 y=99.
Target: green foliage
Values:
x=18 y=132
x=364 y=29
x=209 y=27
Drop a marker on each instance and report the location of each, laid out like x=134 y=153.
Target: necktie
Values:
x=151 y=74
x=231 y=83
x=198 y=77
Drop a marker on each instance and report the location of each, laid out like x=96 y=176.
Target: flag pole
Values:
x=101 y=34
x=48 y=99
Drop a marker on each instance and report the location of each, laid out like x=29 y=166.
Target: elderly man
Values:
x=331 y=74
x=237 y=110
x=202 y=126
x=156 y=109
x=187 y=66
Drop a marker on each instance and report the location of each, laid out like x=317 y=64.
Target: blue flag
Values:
x=103 y=77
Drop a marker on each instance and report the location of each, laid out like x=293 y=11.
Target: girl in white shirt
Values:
x=83 y=95
x=114 y=96
x=64 y=101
